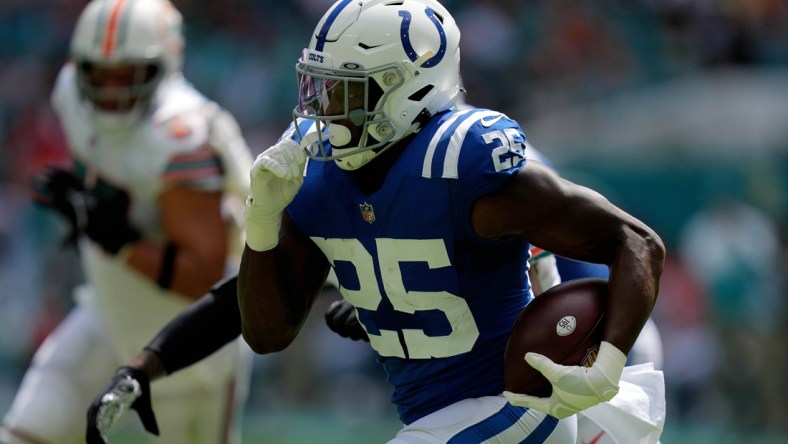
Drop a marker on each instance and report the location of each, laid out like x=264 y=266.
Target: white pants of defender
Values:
x=75 y=364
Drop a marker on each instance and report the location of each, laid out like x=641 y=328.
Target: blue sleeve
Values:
x=492 y=151
x=570 y=269
x=304 y=126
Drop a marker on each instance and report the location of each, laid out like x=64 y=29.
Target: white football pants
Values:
x=76 y=363
x=490 y=419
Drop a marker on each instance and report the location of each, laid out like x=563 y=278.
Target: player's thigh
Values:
x=203 y=403
x=565 y=432
x=201 y=414
x=489 y=419
x=71 y=367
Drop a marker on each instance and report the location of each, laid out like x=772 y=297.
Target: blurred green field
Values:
x=324 y=427
x=297 y=427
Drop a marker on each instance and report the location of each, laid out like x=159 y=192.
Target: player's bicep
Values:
x=192 y=220
x=310 y=265
x=553 y=213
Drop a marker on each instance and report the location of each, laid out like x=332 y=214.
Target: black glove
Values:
x=341 y=319
x=101 y=216
x=129 y=388
x=53 y=188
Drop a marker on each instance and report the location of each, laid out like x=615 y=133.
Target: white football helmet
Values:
x=143 y=34
x=383 y=65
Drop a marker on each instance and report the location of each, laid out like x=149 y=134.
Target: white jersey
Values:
x=186 y=140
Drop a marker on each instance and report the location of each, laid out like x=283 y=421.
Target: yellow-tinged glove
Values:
x=575 y=388
x=276 y=176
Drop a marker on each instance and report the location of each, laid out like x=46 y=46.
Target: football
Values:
x=564 y=323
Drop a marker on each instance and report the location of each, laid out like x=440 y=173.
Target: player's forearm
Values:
x=197 y=332
x=149 y=363
x=270 y=315
x=175 y=268
x=634 y=285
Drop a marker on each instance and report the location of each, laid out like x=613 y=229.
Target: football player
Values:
x=449 y=237
x=426 y=214
x=545 y=270
x=154 y=199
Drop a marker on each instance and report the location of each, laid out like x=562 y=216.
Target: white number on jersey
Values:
x=502 y=156
x=391 y=252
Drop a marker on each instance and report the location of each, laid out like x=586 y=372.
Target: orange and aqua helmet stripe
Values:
x=112 y=24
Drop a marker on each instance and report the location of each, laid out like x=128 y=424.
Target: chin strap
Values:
x=339 y=135
x=421 y=120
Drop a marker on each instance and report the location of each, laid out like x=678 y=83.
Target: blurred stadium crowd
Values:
x=722 y=309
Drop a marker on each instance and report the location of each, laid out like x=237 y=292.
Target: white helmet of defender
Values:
x=401 y=56
x=144 y=36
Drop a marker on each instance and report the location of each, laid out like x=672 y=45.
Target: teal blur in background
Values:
x=676 y=111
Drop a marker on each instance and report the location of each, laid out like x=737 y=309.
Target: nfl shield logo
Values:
x=367 y=212
x=590 y=357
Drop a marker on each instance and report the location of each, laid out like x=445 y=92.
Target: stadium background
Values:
x=677 y=110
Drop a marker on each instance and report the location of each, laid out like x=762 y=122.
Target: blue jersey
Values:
x=569 y=269
x=438 y=302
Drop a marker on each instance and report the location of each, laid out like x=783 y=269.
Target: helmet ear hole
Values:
x=151 y=71
x=420 y=94
x=438 y=16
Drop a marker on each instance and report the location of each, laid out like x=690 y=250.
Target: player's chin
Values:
x=113 y=106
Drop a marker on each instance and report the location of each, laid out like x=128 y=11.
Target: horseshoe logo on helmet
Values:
x=405 y=37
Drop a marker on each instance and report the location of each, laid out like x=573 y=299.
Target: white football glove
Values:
x=575 y=388
x=276 y=177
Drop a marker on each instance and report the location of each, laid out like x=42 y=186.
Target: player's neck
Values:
x=372 y=176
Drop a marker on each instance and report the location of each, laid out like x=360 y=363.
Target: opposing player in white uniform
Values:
x=159 y=176
x=426 y=215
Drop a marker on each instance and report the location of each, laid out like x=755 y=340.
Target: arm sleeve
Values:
x=199 y=169
x=483 y=152
x=203 y=328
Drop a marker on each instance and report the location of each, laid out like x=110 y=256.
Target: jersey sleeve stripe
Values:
x=192 y=172
x=304 y=127
x=196 y=168
x=537 y=253
x=426 y=170
x=288 y=134
x=452 y=159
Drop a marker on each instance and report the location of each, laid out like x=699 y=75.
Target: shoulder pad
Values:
x=475 y=140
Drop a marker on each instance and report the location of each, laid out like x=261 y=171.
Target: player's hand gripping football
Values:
x=575 y=388
x=129 y=388
x=276 y=177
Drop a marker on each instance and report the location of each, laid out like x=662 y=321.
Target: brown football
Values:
x=565 y=323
